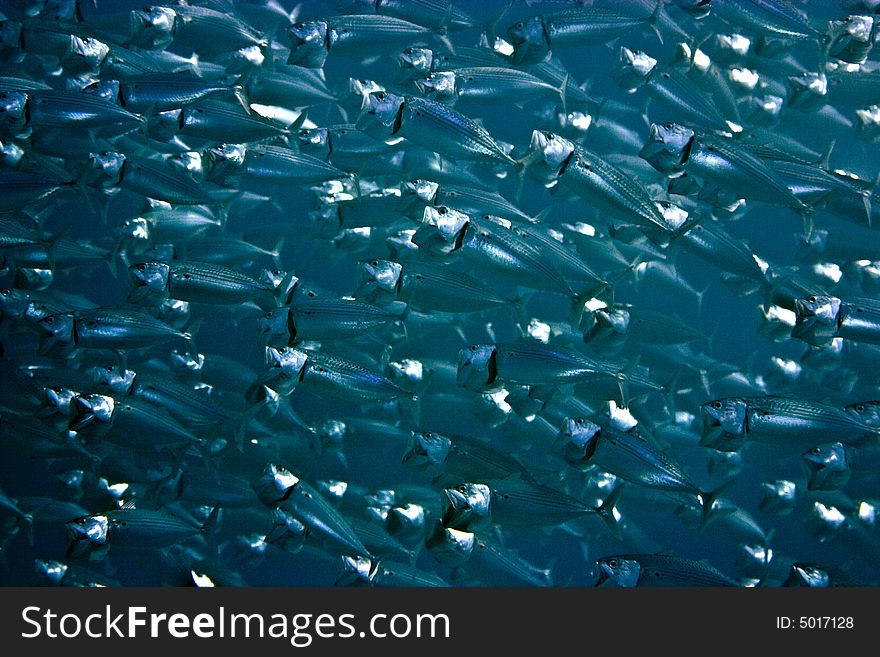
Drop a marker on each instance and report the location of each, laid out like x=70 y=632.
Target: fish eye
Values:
x=374 y=263
x=380 y=95
x=519 y=26
x=815 y=451
x=612 y=563
x=812 y=299
x=428 y=435
x=860 y=407
x=716 y=405
x=473 y=347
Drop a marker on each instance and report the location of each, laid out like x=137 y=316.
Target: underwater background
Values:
x=276 y=411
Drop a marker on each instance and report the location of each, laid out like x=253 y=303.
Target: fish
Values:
x=108 y=328
x=732 y=421
x=632 y=458
x=820 y=318
x=631 y=570
x=131 y=528
x=311 y=42
x=430 y=124
x=199 y=282
x=831 y=465
x=533 y=38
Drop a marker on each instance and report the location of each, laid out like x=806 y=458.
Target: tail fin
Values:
x=654 y=19
x=707 y=501
x=210 y=525
x=607 y=510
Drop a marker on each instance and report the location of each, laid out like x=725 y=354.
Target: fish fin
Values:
x=210 y=525
x=608 y=512
x=276 y=252
x=562 y=94
x=654 y=19
x=491 y=23
x=707 y=501
x=128 y=505
x=826 y=156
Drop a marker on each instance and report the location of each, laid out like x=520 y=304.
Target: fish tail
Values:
x=490 y=25
x=276 y=252
x=707 y=501
x=654 y=19
x=607 y=510
x=209 y=527
x=562 y=93
x=28 y=521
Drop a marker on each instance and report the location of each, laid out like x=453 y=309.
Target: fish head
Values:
x=450 y=224
x=13 y=302
x=57 y=329
x=13 y=111
x=417 y=193
x=379 y=276
x=529 y=40
x=632 y=69
x=406 y=522
x=427 y=450
x=52 y=572
x=85 y=410
x=309 y=44
x=466 y=507
x=149 y=279
x=413 y=63
x=314 y=141
x=617 y=571
x=438 y=86
x=356 y=571
x=675 y=216
x=277 y=327
x=609 y=323
x=287 y=363
x=577 y=439
x=668 y=147
x=867 y=412
x=94 y=529
x=807 y=91
x=112 y=91
x=84 y=54
x=827 y=466
x=450 y=546
x=477 y=367
x=807 y=575
x=381 y=114
x=824 y=521
x=816 y=318
x=779 y=497
x=407 y=373
x=164 y=126
x=288 y=533
x=725 y=422
x=105 y=169
x=113 y=378
x=275 y=484
x=152 y=28
x=851 y=39
x=58 y=398
x=551 y=153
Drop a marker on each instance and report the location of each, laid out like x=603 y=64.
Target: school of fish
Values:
x=439 y=293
